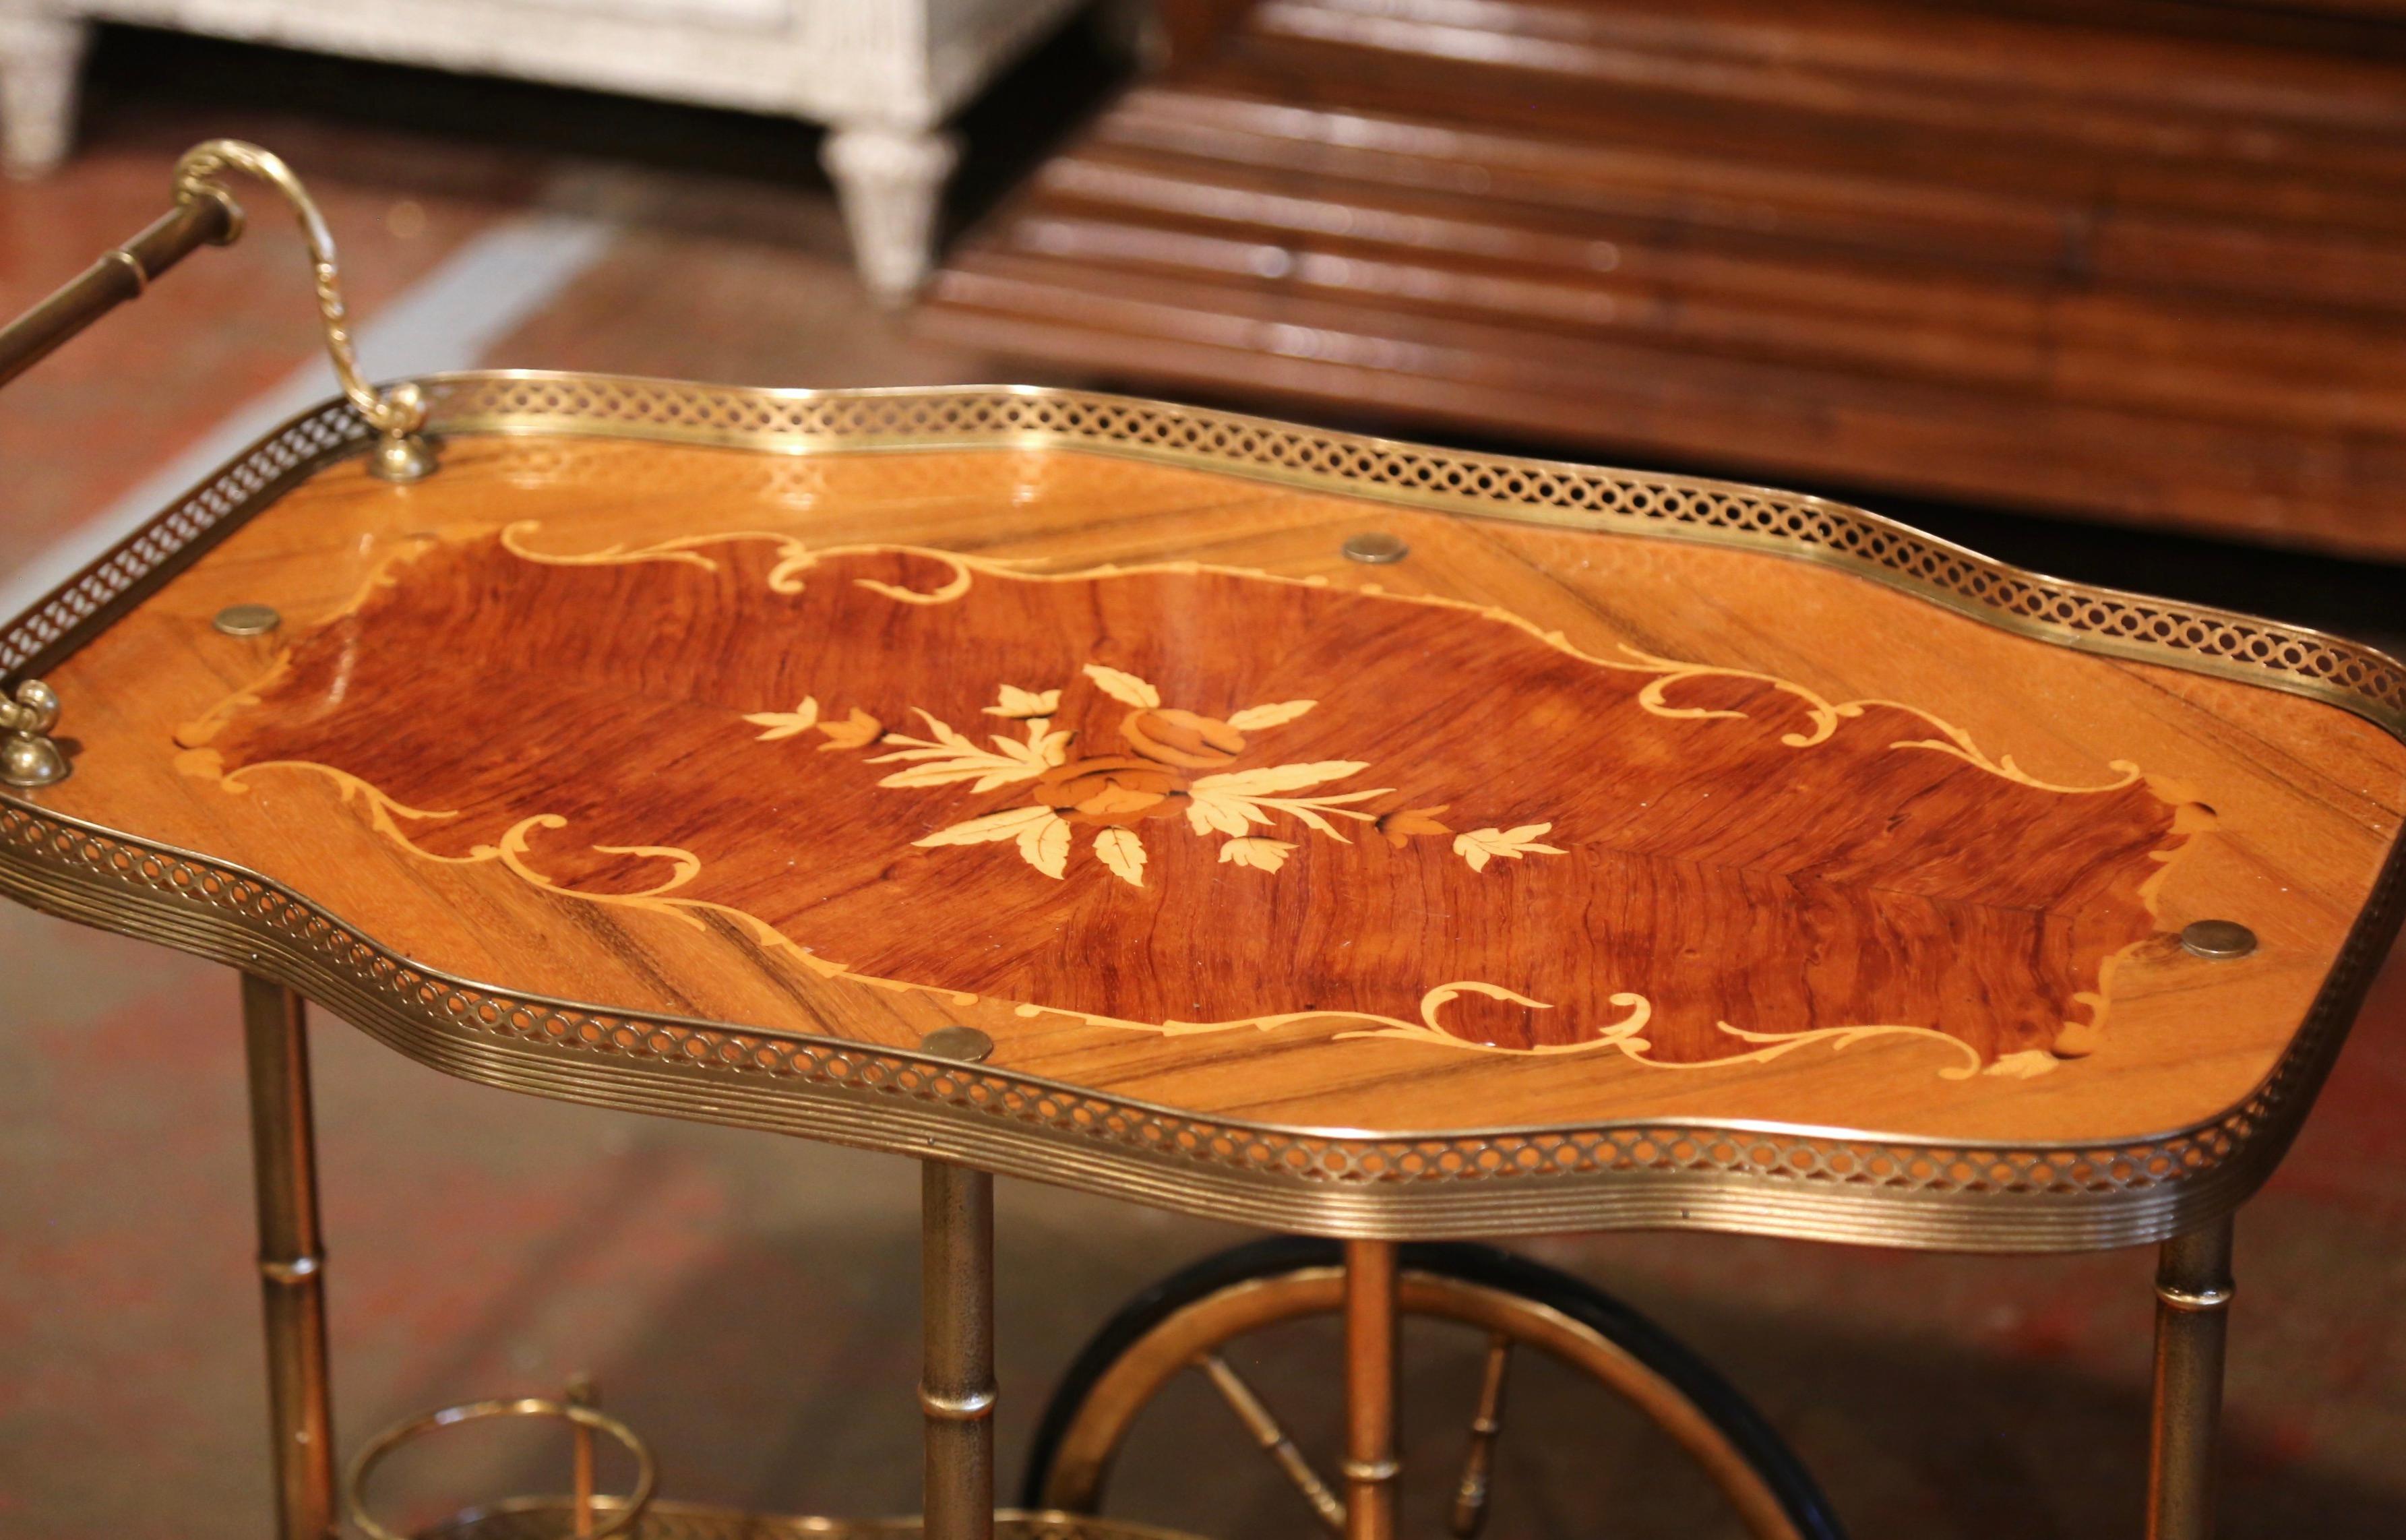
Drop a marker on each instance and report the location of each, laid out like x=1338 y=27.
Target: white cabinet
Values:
x=882 y=74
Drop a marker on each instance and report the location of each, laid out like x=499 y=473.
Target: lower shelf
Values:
x=549 y=1518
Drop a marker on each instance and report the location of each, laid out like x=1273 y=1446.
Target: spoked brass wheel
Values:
x=1238 y=1313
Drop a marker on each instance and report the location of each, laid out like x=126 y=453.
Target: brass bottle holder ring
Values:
x=599 y=1516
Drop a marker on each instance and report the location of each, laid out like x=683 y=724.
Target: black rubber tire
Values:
x=1715 y=1397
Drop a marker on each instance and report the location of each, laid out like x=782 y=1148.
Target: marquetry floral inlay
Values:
x=1815 y=840
x=1179 y=765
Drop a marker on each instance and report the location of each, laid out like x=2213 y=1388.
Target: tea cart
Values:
x=1376 y=844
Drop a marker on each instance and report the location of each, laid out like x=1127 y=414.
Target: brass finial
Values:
x=27 y=756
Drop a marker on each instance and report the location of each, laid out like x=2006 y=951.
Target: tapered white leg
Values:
x=40 y=59
x=890 y=182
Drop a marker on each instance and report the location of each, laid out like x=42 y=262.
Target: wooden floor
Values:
x=2140 y=261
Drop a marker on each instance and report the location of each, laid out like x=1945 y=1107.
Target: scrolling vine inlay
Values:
x=1184 y=799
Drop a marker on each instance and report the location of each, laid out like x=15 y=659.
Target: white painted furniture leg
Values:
x=40 y=57
x=890 y=182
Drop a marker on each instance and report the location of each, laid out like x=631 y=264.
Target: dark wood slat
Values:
x=2077 y=287
x=1931 y=67
x=2348 y=182
x=2083 y=51
x=2106 y=360
x=2092 y=238
x=1749 y=416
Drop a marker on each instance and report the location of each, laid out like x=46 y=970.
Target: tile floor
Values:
x=751 y=1302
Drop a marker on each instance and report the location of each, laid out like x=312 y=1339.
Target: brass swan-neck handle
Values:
x=205 y=214
x=402 y=454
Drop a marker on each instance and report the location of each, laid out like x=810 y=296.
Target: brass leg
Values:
x=580 y=1393
x=2192 y=1311
x=284 y=1163
x=1370 y=1318
x=956 y=1317
x=1471 y=1492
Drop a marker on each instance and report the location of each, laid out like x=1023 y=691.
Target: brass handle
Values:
x=118 y=276
x=397 y=414
x=206 y=214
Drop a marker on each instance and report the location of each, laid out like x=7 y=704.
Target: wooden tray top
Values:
x=1289 y=885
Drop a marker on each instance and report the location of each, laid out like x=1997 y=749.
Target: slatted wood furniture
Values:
x=2132 y=261
x=1341 y=836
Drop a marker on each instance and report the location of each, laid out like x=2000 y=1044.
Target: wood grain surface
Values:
x=2141 y=262
x=1129 y=767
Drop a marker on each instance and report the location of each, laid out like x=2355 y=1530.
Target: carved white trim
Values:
x=882 y=69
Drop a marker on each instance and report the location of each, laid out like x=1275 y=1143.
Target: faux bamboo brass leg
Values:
x=2193 y=1292
x=580 y=1393
x=290 y=1257
x=956 y=1387
x=1471 y=1493
x=1371 y=1338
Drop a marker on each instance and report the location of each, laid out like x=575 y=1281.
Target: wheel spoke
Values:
x=1191 y=1320
x=1274 y=1441
x=1469 y=1514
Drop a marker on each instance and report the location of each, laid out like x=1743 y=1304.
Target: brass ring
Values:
x=630 y=1508
x=299 y=1269
x=133 y=264
x=972 y=1408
